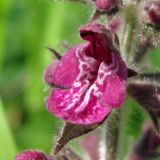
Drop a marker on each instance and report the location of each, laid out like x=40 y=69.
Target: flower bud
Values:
x=108 y=6
x=31 y=155
x=151 y=14
x=146 y=148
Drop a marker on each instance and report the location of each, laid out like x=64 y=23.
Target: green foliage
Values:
x=27 y=27
x=7 y=146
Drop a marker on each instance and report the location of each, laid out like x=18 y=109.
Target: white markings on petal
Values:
x=87 y=65
x=86 y=85
x=97 y=87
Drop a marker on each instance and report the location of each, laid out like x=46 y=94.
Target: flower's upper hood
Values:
x=93 y=76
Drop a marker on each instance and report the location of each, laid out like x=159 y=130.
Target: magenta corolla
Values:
x=89 y=79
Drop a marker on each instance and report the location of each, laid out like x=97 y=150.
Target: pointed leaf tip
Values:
x=57 y=54
x=71 y=131
x=131 y=72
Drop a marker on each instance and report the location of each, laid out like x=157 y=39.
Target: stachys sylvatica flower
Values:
x=89 y=79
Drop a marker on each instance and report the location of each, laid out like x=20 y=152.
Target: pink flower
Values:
x=90 y=79
x=108 y=5
x=105 y=4
x=151 y=14
x=31 y=155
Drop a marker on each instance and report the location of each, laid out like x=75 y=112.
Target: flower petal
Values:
x=89 y=101
x=93 y=112
x=115 y=84
x=79 y=104
x=100 y=41
x=64 y=73
x=99 y=47
x=114 y=91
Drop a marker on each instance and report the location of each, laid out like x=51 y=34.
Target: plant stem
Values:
x=112 y=135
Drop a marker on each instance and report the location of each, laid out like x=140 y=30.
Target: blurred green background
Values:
x=26 y=28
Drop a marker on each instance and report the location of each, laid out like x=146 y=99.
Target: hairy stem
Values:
x=112 y=135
